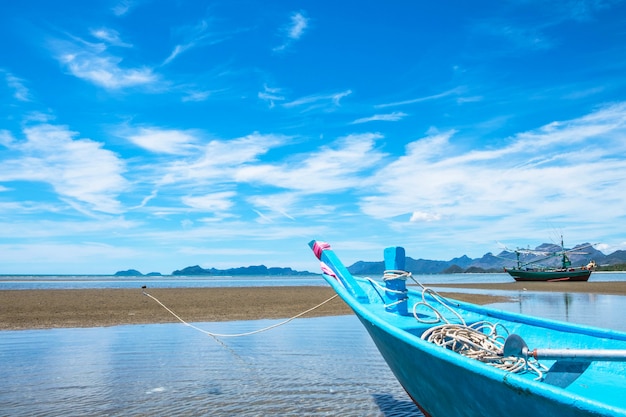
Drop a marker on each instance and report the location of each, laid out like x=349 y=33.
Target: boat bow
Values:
x=414 y=330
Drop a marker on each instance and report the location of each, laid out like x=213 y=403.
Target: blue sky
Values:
x=160 y=134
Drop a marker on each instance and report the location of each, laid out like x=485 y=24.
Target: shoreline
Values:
x=45 y=309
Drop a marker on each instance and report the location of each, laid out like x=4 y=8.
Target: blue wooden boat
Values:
x=457 y=359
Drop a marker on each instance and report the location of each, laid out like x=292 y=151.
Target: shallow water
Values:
x=310 y=367
x=324 y=366
x=63 y=282
x=67 y=282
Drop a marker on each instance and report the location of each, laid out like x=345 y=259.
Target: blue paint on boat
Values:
x=444 y=383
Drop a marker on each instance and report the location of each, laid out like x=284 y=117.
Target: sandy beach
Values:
x=38 y=309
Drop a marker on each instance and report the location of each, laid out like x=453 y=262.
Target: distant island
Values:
x=135 y=273
x=248 y=270
x=244 y=270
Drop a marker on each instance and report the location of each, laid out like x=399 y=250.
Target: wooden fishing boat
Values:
x=550 y=274
x=529 y=271
x=458 y=359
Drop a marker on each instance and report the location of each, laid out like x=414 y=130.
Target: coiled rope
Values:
x=482 y=341
x=215 y=335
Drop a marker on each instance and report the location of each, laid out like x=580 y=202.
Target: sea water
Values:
x=65 y=282
x=76 y=282
x=324 y=366
x=310 y=367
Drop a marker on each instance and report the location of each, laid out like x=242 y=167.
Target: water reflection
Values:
x=314 y=367
x=599 y=310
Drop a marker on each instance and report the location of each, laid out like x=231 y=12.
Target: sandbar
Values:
x=42 y=309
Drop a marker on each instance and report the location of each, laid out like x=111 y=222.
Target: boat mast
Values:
x=565 y=262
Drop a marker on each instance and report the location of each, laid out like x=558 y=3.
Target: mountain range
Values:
x=578 y=255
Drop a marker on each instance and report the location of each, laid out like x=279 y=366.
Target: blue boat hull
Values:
x=441 y=389
x=444 y=383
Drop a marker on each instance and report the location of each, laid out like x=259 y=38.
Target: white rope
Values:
x=480 y=340
x=237 y=334
x=473 y=342
x=390 y=275
x=396 y=274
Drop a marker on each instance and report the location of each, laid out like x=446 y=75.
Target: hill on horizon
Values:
x=487 y=263
x=581 y=255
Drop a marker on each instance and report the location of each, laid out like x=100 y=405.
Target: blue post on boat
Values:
x=396 y=287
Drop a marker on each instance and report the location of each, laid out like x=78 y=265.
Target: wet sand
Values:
x=38 y=309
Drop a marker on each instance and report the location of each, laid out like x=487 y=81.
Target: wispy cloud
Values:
x=271 y=95
x=523 y=37
x=569 y=167
x=293 y=31
x=166 y=141
x=219 y=160
x=196 y=95
x=110 y=36
x=317 y=101
x=92 y=62
x=454 y=91
x=214 y=202
x=20 y=92
x=122 y=7
x=274 y=205
x=79 y=170
x=194 y=36
x=389 y=117
x=331 y=168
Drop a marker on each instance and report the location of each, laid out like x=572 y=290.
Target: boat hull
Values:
x=558 y=275
x=441 y=389
x=444 y=383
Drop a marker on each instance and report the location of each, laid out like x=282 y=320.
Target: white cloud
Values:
x=178 y=49
x=122 y=7
x=105 y=72
x=6 y=138
x=92 y=62
x=196 y=96
x=277 y=204
x=20 y=92
x=564 y=170
x=389 y=117
x=452 y=92
x=192 y=36
x=321 y=100
x=270 y=95
x=298 y=24
x=109 y=36
x=332 y=168
x=220 y=159
x=79 y=170
x=421 y=216
x=167 y=141
x=294 y=30
x=214 y=202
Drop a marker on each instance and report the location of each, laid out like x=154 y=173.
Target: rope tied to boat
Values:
x=482 y=340
x=216 y=335
x=388 y=277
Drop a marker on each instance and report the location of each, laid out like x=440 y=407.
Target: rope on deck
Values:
x=482 y=341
